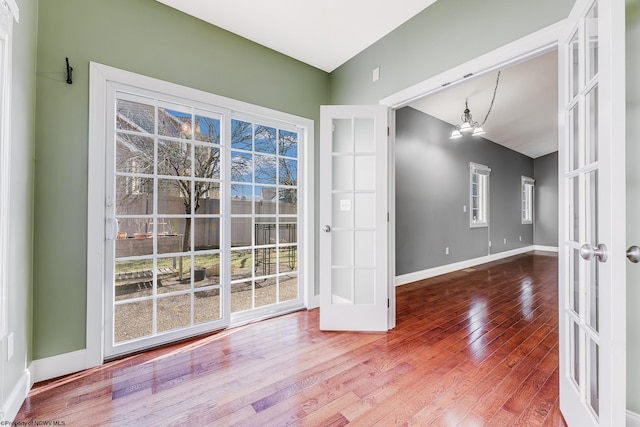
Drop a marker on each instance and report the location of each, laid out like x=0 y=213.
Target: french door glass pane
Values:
x=264 y=208
x=594 y=377
x=592 y=126
x=575 y=353
x=591 y=24
x=574 y=57
x=574 y=138
x=364 y=136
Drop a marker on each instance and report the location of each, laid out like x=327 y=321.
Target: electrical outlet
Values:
x=446 y=250
x=464 y=208
x=489 y=243
x=521 y=238
x=10 y=346
x=505 y=240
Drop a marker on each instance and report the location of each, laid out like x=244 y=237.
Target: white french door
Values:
x=592 y=192
x=354 y=287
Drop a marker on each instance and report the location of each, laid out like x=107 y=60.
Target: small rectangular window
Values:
x=527 y=199
x=478 y=195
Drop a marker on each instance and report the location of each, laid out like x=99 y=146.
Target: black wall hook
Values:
x=69 y=71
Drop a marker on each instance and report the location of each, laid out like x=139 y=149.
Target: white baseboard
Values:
x=17 y=396
x=449 y=268
x=633 y=419
x=57 y=366
x=545 y=248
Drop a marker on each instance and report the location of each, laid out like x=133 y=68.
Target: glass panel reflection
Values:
x=133 y=320
x=342 y=210
x=135 y=237
x=174 y=196
x=174 y=274
x=342 y=136
x=365 y=173
x=342 y=248
x=174 y=123
x=207 y=162
x=364 y=136
x=593 y=362
x=591 y=27
x=241 y=135
x=592 y=125
x=288 y=288
x=133 y=279
x=288 y=143
x=241 y=296
x=206 y=234
x=265 y=139
x=206 y=270
x=575 y=352
x=364 y=287
x=365 y=246
x=135 y=116
x=266 y=292
x=241 y=264
x=207 y=306
x=341 y=286
x=174 y=312
x=134 y=154
x=287 y=259
x=574 y=65
x=134 y=195
x=207 y=129
x=342 y=173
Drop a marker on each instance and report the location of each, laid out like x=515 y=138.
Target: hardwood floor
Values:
x=471 y=348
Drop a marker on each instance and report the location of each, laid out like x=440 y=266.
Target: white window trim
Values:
x=484 y=171
x=101 y=76
x=8 y=12
x=527 y=199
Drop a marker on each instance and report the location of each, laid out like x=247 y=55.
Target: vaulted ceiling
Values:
x=325 y=34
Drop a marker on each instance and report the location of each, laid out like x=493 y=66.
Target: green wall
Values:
x=21 y=200
x=145 y=37
x=446 y=34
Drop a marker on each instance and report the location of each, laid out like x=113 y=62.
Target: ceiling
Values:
x=324 y=34
x=524 y=116
x=327 y=33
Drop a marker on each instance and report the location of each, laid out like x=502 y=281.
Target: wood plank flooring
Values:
x=471 y=348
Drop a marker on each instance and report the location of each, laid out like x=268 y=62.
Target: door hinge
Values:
x=388 y=303
x=388 y=131
x=387 y=216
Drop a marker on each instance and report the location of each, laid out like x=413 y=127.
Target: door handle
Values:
x=589 y=252
x=633 y=254
x=326 y=228
x=115 y=227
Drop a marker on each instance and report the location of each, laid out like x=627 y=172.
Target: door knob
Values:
x=633 y=254
x=589 y=252
x=326 y=228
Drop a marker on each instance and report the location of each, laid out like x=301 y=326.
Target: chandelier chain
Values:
x=492 y=99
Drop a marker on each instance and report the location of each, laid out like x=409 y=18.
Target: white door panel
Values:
x=354 y=218
x=592 y=182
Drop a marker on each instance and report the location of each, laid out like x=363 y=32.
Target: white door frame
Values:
x=100 y=76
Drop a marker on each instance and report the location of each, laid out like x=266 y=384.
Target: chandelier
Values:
x=468 y=125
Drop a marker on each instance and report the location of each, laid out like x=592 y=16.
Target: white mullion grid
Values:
x=582 y=216
x=225 y=211
x=353 y=224
x=156 y=142
x=193 y=218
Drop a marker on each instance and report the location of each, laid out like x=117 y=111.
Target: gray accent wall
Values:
x=545 y=172
x=432 y=188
